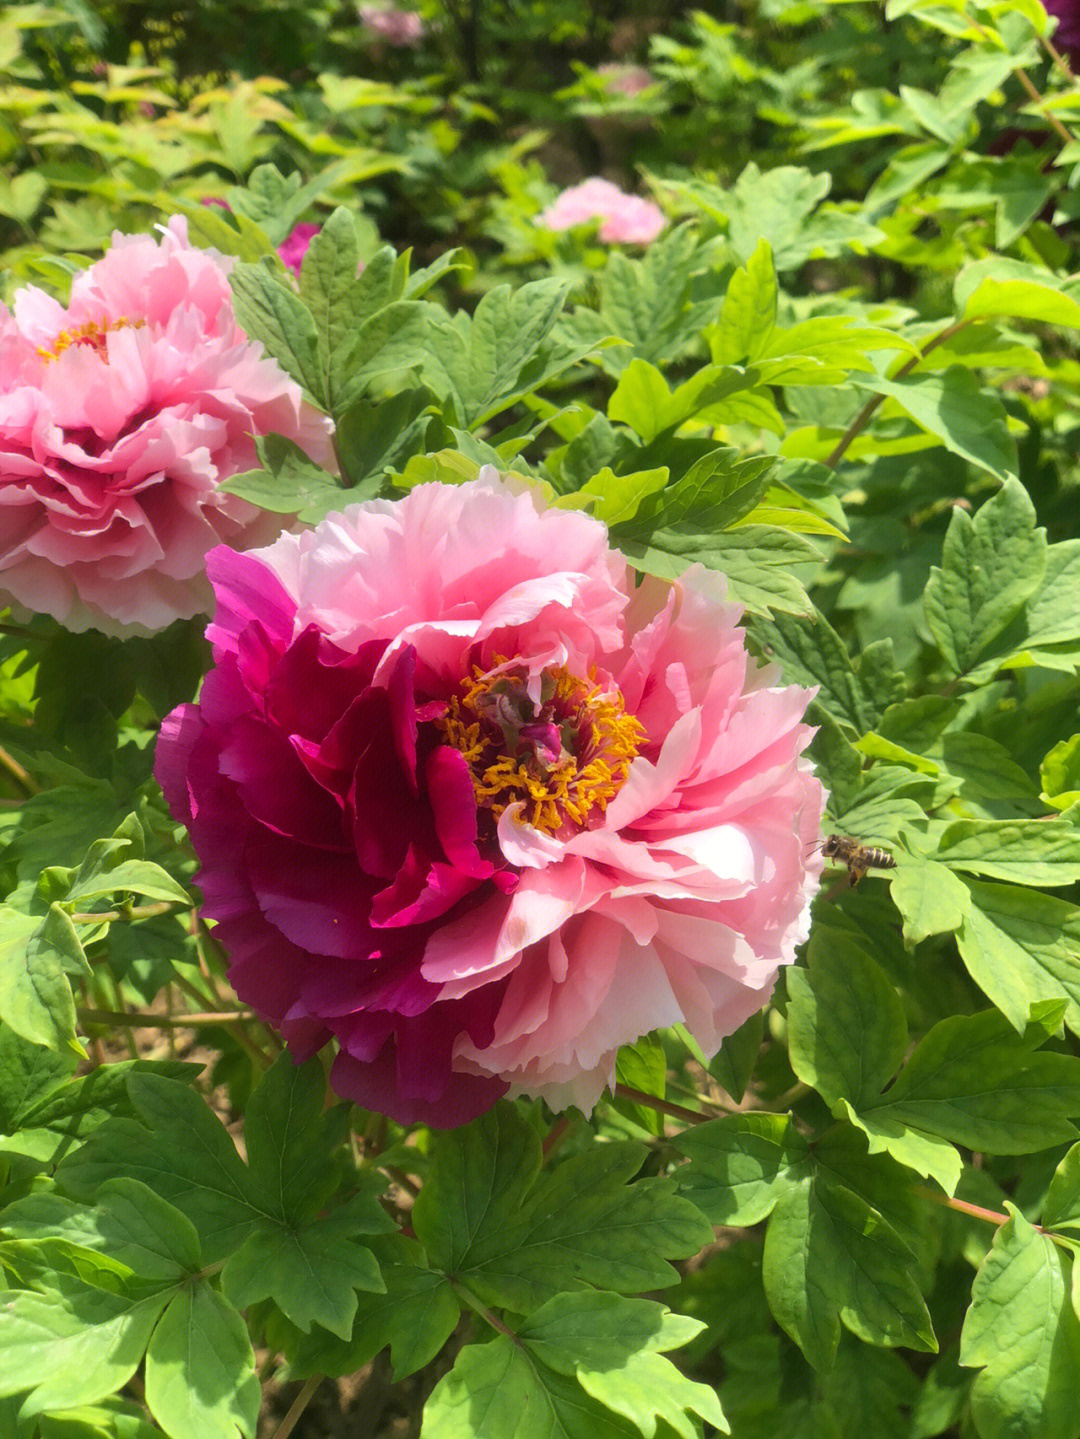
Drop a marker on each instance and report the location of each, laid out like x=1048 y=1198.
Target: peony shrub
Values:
x=473 y=804
x=623 y=218
x=120 y=415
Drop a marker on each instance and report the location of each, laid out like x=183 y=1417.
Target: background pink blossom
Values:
x=626 y=218
x=396 y=27
x=119 y=417
x=460 y=937
x=626 y=79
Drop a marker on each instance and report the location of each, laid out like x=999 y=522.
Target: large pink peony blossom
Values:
x=626 y=218
x=470 y=801
x=119 y=417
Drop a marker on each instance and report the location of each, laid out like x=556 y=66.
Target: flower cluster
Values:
x=396 y=27
x=624 y=218
x=469 y=800
x=121 y=414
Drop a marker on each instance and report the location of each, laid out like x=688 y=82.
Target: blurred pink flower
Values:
x=396 y=27
x=626 y=218
x=469 y=800
x=1067 y=35
x=626 y=79
x=119 y=417
x=295 y=244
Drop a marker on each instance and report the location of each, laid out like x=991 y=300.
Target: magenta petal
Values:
x=374 y=1085
x=276 y=789
x=314 y=683
x=385 y=815
x=176 y=738
x=421 y=892
x=316 y=899
x=453 y=805
x=402 y=698
x=247 y=590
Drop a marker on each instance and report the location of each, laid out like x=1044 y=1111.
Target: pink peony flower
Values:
x=626 y=79
x=396 y=27
x=119 y=417
x=295 y=245
x=1067 y=35
x=469 y=801
x=624 y=217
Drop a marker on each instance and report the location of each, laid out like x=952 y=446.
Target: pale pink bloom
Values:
x=626 y=218
x=120 y=415
x=396 y=27
x=474 y=803
x=626 y=79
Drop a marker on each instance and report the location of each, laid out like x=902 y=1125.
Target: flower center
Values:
x=89 y=335
x=564 y=757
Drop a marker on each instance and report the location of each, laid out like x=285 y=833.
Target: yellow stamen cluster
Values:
x=567 y=791
x=90 y=334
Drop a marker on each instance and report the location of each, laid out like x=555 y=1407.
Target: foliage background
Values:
x=847 y=376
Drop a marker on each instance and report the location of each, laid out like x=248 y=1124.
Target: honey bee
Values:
x=858 y=857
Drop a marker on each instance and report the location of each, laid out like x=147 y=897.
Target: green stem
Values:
x=478 y=1307
x=866 y=414
x=113 y=916
x=122 y=1018
x=662 y=1106
x=299 y=1404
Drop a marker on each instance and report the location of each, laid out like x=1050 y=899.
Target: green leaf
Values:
x=1020 y=947
x=312 y=1274
x=740 y=1165
x=328 y=289
x=610 y=1345
x=734 y=1063
x=291 y=483
x=998 y=286
x=269 y=310
x=927 y=1154
x=756 y=560
x=36 y=957
x=181 y=1151
x=972 y=1080
x=506 y=356
x=72 y=1350
x=48 y=1126
x=614 y=498
x=830 y=1259
x=1061 y=1207
x=717 y=489
x=1027 y=851
x=516 y=1236
x=374 y=440
x=502 y=1392
x=289 y=1142
x=1060 y=774
x=969 y=421
x=643 y=400
x=1022 y=1331
x=415 y=1316
x=930 y=898
x=991 y=566
x=200 y=1369
x=810 y=652
x=28 y=1074
x=642 y=1066
x=748 y=316
x=846 y=1028
x=129 y=1223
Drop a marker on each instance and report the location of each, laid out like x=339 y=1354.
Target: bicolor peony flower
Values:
x=469 y=801
x=120 y=415
x=626 y=218
x=396 y=27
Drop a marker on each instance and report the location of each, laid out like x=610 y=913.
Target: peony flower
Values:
x=624 y=217
x=473 y=803
x=120 y=415
x=626 y=79
x=1067 y=35
x=396 y=27
x=295 y=245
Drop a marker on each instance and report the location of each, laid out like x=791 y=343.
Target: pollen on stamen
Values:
x=90 y=335
x=493 y=723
